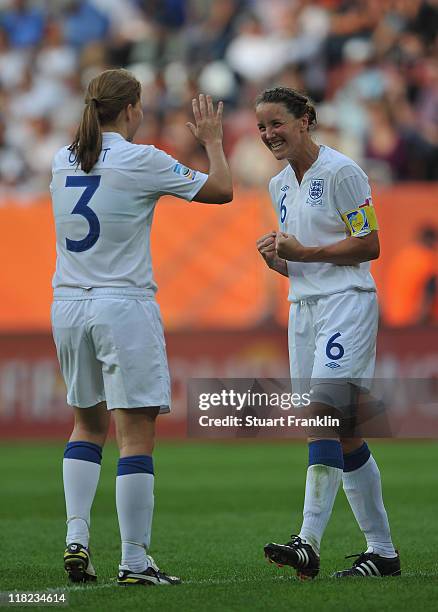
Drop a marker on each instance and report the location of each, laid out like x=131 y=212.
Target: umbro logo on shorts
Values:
x=332 y=364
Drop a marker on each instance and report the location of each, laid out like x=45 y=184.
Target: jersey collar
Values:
x=111 y=136
x=309 y=171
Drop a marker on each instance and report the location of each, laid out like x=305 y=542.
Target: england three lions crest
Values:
x=316 y=189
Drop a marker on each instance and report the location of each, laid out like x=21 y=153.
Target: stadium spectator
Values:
x=84 y=23
x=356 y=58
x=171 y=14
x=255 y=54
x=424 y=19
x=13 y=167
x=351 y=19
x=384 y=144
x=24 y=24
x=411 y=286
x=210 y=37
x=13 y=62
x=56 y=59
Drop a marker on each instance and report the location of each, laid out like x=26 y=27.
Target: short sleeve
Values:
x=351 y=190
x=173 y=178
x=352 y=198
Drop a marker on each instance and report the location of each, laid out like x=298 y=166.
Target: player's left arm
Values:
x=353 y=203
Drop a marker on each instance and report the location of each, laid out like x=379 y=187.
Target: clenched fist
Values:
x=288 y=247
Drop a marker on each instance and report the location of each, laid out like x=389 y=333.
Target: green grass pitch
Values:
x=216 y=505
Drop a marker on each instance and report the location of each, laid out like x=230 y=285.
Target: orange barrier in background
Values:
x=205 y=260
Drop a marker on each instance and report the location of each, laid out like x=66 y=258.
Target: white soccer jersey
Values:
x=103 y=219
x=332 y=188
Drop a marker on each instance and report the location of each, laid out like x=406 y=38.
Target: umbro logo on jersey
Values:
x=332 y=365
x=285 y=188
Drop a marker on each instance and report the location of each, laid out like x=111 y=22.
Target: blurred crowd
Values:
x=371 y=66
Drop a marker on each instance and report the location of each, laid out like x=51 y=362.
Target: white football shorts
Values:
x=333 y=338
x=111 y=347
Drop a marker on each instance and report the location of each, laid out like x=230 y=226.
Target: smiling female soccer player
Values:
x=328 y=235
x=106 y=323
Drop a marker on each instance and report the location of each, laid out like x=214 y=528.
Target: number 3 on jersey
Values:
x=91 y=183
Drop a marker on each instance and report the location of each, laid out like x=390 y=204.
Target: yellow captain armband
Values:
x=361 y=221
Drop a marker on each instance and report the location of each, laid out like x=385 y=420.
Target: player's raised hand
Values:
x=288 y=247
x=208 y=122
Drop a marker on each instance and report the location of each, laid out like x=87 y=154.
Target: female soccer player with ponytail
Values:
x=106 y=322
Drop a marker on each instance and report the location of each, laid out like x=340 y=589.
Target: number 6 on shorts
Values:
x=334 y=350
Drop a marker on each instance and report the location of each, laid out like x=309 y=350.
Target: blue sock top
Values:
x=85 y=451
x=136 y=464
x=357 y=458
x=326 y=452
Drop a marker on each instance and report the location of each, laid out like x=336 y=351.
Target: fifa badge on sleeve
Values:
x=361 y=221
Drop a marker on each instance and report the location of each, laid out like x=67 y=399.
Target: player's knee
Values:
x=135 y=421
x=342 y=396
x=336 y=402
x=135 y=430
x=91 y=424
x=91 y=433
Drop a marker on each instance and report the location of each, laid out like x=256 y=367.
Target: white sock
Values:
x=135 y=507
x=363 y=489
x=80 y=484
x=322 y=484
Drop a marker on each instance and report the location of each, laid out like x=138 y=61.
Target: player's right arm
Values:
x=266 y=244
x=218 y=188
x=266 y=248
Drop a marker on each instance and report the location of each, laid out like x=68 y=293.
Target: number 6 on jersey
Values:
x=91 y=183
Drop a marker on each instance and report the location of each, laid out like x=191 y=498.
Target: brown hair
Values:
x=296 y=103
x=107 y=94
